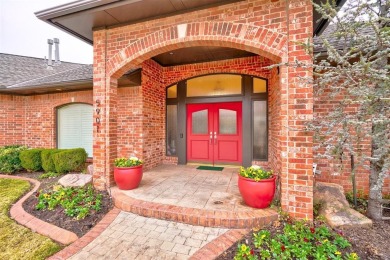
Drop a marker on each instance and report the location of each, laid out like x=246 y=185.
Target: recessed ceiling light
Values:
x=171 y=53
x=58 y=89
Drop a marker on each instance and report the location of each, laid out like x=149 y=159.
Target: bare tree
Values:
x=355 y=73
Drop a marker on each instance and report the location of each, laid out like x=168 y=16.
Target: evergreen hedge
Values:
x=69 y=160
x=31 y=159
x=47 y=159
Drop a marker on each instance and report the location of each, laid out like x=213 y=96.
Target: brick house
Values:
x=186 y=82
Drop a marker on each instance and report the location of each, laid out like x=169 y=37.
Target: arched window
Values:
x=75 y=127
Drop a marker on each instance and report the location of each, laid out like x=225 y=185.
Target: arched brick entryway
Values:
x=115 y=56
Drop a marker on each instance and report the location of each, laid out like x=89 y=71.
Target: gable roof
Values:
x=19 y=71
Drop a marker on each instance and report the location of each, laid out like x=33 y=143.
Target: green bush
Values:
x=69 y=160
x=31 y=159
x=9 y=158
x=47 y=159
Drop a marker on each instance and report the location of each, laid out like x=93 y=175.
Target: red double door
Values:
x=214 y=133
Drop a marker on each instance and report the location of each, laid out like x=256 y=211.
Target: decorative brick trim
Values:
x=199 y=217
x=17 y=213
x=257 y=39
x=219 y=245
x=87 y=238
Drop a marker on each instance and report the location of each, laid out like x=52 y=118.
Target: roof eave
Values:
x=49 y=85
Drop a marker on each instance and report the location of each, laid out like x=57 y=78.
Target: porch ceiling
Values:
x=199 y=54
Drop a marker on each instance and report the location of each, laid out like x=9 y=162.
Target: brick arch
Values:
x=255 y=39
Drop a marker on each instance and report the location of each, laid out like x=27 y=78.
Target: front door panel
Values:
x=214 y=133
x=199 y=124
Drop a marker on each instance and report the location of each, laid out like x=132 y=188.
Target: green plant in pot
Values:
x=128 y=172
x=257 y=186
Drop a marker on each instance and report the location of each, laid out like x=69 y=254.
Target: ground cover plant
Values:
x=76 y=202
x=295 y=240
x=16 y=241
x=57 y=216
x=49 y=175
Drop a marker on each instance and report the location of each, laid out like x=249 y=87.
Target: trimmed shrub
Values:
x=47 y=159
x=69 y=160
x=31 y=159
x=9 y=158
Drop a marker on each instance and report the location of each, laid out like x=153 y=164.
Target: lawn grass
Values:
x=16 y=241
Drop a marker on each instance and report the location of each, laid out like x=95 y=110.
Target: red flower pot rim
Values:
x=132 y=167
x=273 y=177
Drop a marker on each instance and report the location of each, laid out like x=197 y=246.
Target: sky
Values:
x=23 y=34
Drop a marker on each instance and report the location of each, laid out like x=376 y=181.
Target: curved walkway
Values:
x=131 y=236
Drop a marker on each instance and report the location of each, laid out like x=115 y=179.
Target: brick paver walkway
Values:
x=135 y=237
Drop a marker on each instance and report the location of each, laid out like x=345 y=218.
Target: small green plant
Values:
x=76 y=202
x=31 y=159
x=9 y=158
x=127 y=162
x=298 y=240
x=47 y=175
x=255 y=172
x=317 y=208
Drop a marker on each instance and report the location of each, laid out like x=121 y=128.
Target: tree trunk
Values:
x=374 y=209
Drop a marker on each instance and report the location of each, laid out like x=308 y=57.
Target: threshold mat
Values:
x=210 y=168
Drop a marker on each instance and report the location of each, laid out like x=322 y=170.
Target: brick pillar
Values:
x=105 y=116
x=297 y=185
x=153 y=110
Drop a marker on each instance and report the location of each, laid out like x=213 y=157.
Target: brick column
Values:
x=298 y=178
x=105 y=115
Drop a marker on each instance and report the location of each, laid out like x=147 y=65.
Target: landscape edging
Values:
x=18 y=214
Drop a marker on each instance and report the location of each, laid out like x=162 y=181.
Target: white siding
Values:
x=75 y=127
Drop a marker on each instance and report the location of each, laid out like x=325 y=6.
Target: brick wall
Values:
x=12 y=120
x=31 y=120
x=339 y=170
x=130 y=141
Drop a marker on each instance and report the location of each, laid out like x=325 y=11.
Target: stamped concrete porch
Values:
x=197 y=197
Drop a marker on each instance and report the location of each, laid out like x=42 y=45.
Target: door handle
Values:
x=211 y=138
x=215 y=137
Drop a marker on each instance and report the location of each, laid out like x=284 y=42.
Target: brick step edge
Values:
x=193 y=216
x=219 y=245
x=18 y=214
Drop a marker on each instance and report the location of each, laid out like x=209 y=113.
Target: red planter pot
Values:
x=257 y=194
x=128 y=178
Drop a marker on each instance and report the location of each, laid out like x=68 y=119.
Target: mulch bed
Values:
x=369 y=243
x=57 y=217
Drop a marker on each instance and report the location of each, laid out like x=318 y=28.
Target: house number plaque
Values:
x=97 y=119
